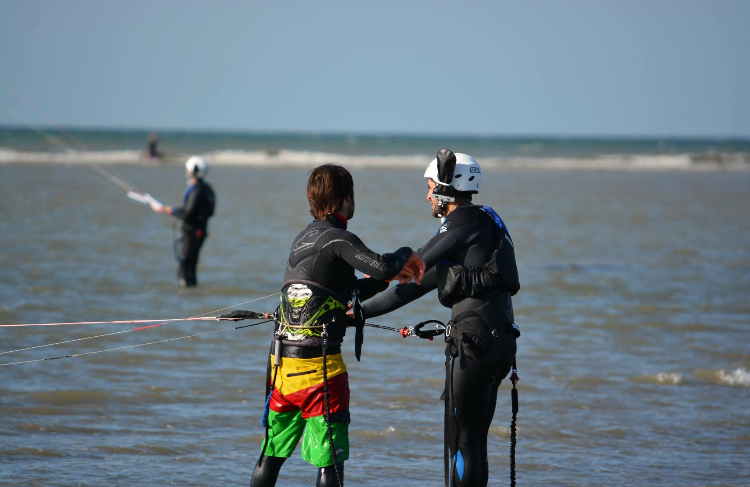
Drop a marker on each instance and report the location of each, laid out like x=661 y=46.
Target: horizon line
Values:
x=366 y=133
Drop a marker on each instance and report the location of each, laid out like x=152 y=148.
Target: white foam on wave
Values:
x=307 y=158
x=10 y=156
x=673 y=378
x=737 y=377
x=667 y=378
x=290 y=158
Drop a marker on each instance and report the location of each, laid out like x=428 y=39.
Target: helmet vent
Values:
x=457 y=176
x=471 y=178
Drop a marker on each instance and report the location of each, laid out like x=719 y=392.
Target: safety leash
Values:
x=514 y=406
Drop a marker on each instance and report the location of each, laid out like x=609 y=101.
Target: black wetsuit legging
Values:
x=472 y=396
x=187 y=255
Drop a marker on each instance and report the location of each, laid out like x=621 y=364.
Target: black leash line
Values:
x=134 y=346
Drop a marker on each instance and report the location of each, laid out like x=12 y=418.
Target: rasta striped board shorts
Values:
x=297 y=409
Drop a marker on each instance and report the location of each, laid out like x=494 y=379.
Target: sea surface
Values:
x=79 y=146
x=634 y=309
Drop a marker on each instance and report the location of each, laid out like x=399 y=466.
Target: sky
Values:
x=533 y=67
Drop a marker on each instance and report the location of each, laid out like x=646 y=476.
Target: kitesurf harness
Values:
x=499 y=273
x=305 y=308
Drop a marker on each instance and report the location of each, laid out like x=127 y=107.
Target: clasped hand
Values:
x=412 y=270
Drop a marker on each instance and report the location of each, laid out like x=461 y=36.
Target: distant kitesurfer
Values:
x=153 y=152
x=471 y=262
x=308 y=393
x=198 y=207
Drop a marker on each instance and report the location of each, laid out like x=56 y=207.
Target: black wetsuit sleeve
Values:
x=440 y=247
x=400 y=295
x=369 y=287
x=379 y=266
x=443 y=245
x=188 y=212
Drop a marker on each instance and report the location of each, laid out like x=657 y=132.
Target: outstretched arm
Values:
x=399 y=296
x=403 y=264
x=440 y=247
x=190 y=208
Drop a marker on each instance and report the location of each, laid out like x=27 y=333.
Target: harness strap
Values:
x=328 y=409
x=270 y=384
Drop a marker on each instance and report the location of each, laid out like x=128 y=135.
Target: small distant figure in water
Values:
x=198 y=206
x=153 y=152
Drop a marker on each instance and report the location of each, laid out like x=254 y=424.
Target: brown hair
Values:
x=327 y=188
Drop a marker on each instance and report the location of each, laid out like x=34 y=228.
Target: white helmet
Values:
x=467 y=175
x=197 y=166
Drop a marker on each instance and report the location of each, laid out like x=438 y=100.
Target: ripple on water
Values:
x=71 y=397
x=392 y=432
x=37 y=428
x=142 y=450
x=25 y=453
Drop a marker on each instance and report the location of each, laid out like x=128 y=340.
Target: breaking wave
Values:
x=738 y=377
x=667 y=378
x=293 y=158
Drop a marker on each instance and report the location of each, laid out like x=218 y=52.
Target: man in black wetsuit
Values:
x=308 y=386
x=153 y=152
x=471 y=262
x=198 y=207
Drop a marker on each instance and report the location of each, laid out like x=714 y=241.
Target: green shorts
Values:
x=286 y=429
x=297 y=409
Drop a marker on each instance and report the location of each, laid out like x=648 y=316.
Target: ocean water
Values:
x=48 y=145
x=634 y=311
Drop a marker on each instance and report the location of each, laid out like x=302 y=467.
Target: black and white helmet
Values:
x=197 y=166
x=465 y=175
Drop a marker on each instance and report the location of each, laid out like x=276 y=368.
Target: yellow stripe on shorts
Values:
x=296 y=374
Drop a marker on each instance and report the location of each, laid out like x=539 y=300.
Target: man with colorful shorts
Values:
x=308 y=383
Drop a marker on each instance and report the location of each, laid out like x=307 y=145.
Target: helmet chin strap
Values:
x=443 y=201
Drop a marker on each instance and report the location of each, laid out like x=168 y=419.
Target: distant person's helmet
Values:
x=465 y=175
x=197 y=166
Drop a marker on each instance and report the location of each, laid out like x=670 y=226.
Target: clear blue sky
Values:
x=556 y=67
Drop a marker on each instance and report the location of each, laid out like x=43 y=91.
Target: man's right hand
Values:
x=412 y=270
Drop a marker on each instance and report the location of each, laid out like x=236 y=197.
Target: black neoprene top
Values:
x=326 y=253
x=198 y=206
x=466 y=237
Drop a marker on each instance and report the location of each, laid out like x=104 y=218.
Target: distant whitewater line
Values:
x=290 y=158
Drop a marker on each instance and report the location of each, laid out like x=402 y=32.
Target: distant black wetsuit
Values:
x=198 y=207
x=153 y=152
x=318 y=284
x=481 y=336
